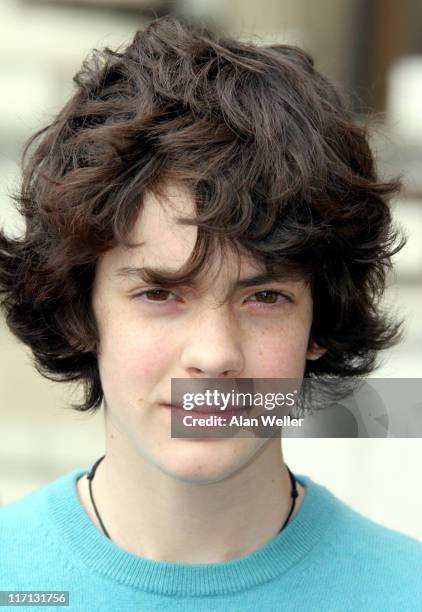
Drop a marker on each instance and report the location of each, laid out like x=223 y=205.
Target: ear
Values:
x=314 y=351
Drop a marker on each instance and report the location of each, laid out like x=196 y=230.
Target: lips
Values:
x=206 y=409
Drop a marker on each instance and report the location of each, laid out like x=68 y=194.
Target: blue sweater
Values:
x=328 y=558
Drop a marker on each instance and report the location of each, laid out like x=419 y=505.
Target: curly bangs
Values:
x=277 y=165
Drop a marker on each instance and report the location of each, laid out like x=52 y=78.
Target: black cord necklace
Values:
x=293 y=493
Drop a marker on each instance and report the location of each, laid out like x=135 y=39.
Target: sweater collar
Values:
x=276 y=557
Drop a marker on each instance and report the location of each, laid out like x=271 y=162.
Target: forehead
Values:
x=164 y=242
x=157 y=228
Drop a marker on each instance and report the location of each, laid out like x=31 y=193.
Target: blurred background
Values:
x=373 y=50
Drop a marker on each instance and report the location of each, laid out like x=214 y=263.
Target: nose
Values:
x=212 y=348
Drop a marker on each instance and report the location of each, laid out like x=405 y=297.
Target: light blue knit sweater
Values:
x=328 y=558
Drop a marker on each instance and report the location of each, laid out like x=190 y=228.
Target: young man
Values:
x=200 y=209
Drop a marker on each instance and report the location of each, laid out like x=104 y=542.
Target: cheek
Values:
x=131 y=357
x=281 y=353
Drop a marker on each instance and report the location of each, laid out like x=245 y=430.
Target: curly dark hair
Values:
x=275 y=160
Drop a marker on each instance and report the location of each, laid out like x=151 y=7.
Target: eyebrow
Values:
x=170 y=278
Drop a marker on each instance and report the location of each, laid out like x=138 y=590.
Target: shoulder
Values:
x=26 y=525
x=26 y=511
x=23 y=536
x=35 y=507
x=380 y=559
x=364 y=535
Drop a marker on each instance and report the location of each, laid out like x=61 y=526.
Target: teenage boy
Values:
x=201 y=209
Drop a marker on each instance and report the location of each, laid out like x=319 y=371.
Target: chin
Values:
x=206 y=460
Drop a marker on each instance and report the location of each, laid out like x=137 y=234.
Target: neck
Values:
x=151 y=514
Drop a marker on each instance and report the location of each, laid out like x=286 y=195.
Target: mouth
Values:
x=207 y=410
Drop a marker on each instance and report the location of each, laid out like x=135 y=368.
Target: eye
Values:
x=265 y=298
x=155 y=295
x=270 y=297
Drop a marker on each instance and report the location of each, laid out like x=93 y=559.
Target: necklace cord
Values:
x=90 y=476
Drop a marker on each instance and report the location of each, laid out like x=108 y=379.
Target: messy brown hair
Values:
x=277 y=164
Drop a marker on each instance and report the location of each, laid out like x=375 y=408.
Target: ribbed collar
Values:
x=104 y=557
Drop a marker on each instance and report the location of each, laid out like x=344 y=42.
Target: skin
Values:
x=189 y=500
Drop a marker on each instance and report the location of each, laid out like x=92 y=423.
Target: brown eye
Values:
x=268 y=297
x=155 y=295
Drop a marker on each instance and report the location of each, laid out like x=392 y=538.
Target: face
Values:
x=149 y=335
